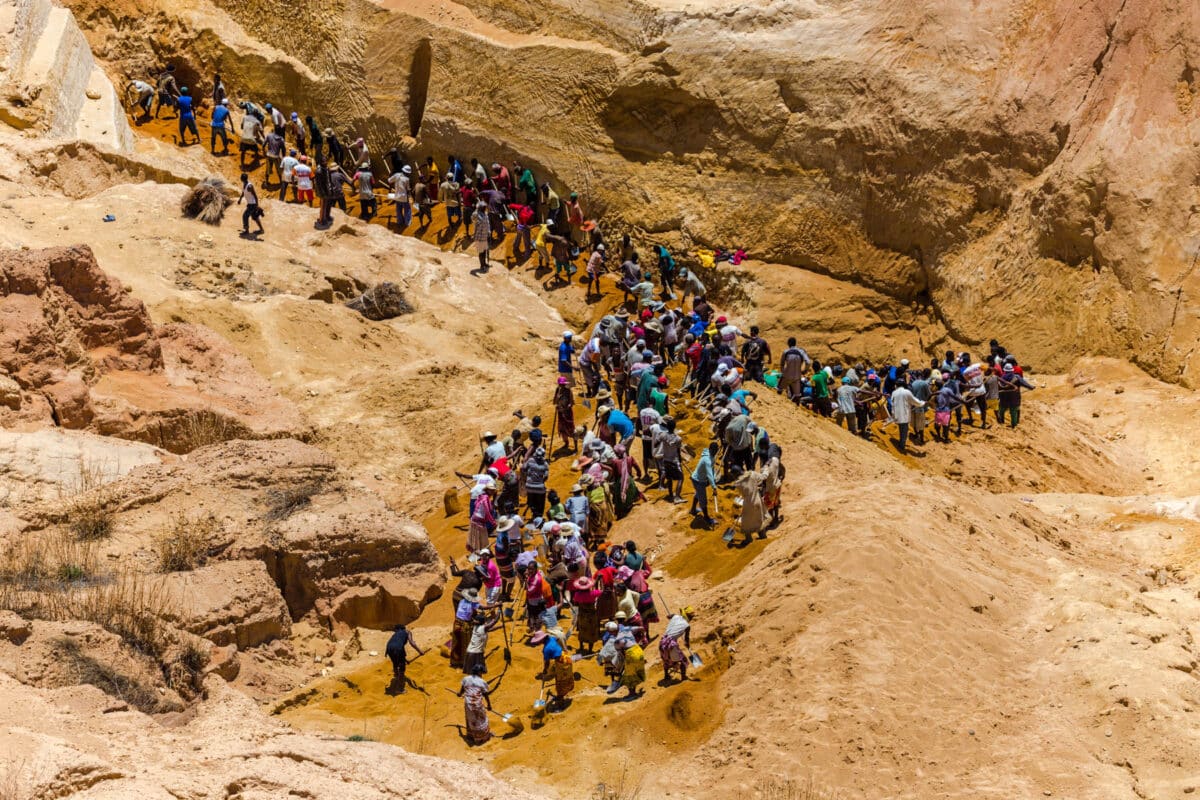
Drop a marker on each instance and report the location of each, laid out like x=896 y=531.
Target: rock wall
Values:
x=51 y=85
x=77 y=350
x=933 y=152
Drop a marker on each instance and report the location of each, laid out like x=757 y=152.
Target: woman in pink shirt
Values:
x=491 y=575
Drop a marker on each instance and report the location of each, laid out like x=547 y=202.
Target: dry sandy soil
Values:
x=1010 y=615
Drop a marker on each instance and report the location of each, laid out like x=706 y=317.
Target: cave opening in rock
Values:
x=418 y=86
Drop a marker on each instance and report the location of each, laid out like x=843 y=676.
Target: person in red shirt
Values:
x=466 y=198
x=605 y=581
x=524 y=216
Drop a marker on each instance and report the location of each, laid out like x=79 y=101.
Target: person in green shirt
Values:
x=526 y=184
x=820 y=387
x=658 y=396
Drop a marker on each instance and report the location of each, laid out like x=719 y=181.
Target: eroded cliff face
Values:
x=1028 y=169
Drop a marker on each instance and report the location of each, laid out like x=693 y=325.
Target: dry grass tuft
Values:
x=187 y=543
x=34 y=560
x=626 y=787
x=205 y=428
x=127 y=605
x=788 y=789
x=89 y=514
x=206 y=201
x=282 y=503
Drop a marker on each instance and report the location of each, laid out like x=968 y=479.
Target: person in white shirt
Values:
x=287 y=168
x=400 y=187
x=304 y=181
x=903 y=403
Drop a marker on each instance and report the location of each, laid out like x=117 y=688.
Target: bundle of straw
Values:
x=206 y=201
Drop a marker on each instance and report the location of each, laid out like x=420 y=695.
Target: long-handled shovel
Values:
x=504 y=631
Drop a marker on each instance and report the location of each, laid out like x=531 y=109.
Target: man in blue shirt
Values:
x=566 y=354
x=187 y=117
x=220 y=116
x=620 y=424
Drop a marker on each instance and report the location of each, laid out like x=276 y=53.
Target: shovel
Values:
x=696 y=662
x=727 y=537
x=513 y=721
x=504 y=630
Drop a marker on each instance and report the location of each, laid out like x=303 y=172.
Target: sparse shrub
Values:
x=186 y=543
x=358 y=737
x=89 y=513
x=282 y=503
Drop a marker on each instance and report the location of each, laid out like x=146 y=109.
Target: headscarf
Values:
x=621 y=464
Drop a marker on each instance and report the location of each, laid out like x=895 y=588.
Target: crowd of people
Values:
x=546 y=560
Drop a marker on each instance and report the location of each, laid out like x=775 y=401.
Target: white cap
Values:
x=567 y=334
x=904 y=362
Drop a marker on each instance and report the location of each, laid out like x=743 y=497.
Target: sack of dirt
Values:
x=382 y=301
x=206 y=201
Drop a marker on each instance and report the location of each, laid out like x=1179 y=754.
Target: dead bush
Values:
x=186 y=543
x=128 y=605
x=184 y=667
x=89 y=514
x=788 y=789
x=33 y=560
x=205 y=428
x=282 y=503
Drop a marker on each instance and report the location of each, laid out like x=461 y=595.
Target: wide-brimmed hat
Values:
x=624 y=574
x=577 y=488
x=582 y=584
x=488 y=435
x=562 y=380
x=604 y=394
x=620 y=615
x=506 y=524
x=471 y=595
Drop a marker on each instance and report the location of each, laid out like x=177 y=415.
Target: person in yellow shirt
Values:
x=540 y=244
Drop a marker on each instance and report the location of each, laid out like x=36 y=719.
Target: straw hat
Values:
x=471 y=595
x=506 y=524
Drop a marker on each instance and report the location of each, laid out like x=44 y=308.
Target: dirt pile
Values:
x=80 y=352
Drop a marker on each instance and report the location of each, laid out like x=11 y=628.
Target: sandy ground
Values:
x=917 y=627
